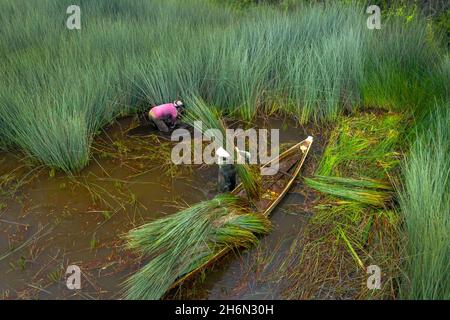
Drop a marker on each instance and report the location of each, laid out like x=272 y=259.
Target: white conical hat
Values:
x=221 y=152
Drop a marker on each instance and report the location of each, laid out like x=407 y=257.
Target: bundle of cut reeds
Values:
x=183 y=241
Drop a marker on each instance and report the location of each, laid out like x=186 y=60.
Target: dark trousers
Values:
x=162 y=126
x=227 y=177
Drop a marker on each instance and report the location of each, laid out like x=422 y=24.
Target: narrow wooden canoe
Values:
x=274 y=188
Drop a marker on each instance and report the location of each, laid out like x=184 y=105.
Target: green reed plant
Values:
x=390 y=73
x=425 y=206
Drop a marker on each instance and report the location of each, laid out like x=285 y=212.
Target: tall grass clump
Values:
x=57 y=127
x=405 y=65
x=425 y=207
x=58 y=90
x=183 y=241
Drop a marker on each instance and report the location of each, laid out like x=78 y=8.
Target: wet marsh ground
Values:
x=51 y=220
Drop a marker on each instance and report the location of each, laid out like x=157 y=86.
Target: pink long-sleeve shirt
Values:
x=165 y=111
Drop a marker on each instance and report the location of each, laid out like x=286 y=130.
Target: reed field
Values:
x=59 y=87
x=383 y=179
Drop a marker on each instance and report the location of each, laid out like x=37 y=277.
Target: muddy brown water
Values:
x=52 y=220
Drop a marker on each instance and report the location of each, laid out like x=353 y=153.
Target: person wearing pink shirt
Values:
x=165 y=115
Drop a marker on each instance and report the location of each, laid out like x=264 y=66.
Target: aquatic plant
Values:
x=183 y=241
x=425 y=206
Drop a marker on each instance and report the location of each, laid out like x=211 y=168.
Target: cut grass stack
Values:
x=183 y=241
x=363 y=146
x=370 y=192
x=353 y=226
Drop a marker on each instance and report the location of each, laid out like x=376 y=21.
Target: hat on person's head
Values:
x=178 y=103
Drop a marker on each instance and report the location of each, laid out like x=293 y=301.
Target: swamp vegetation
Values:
x=380 y=97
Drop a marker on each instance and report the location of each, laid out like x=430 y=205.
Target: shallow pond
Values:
x=50 y=220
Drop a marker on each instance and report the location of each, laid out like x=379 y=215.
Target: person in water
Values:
x=165 y=115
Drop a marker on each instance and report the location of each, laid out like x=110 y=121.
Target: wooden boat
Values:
x=274 y=188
